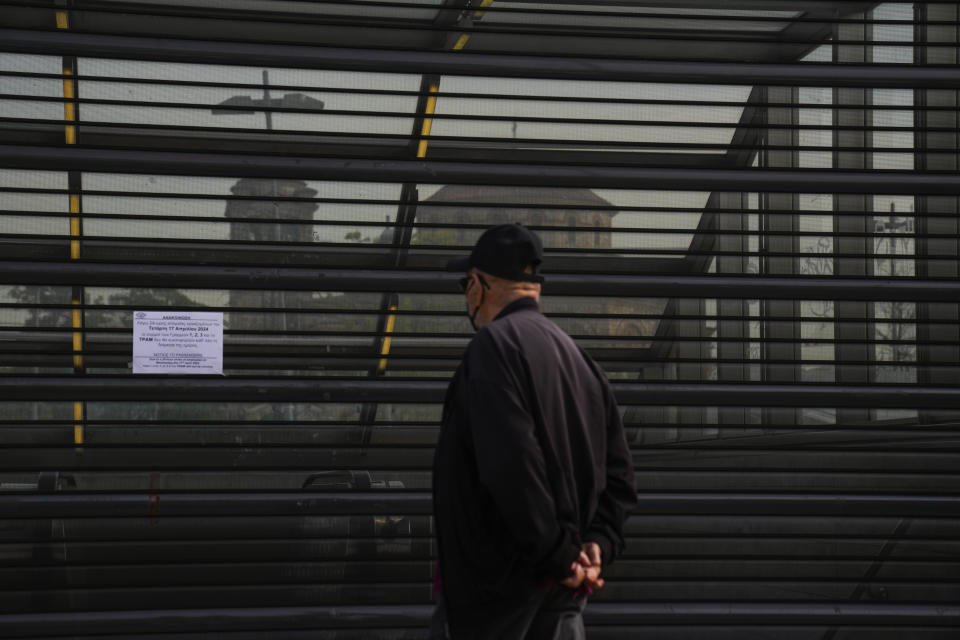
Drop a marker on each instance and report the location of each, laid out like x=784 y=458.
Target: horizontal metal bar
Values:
x=645 y=286
x=426 y=206
x=916 y=618
x=778 y=613
x=630 y=253
x=520 y=25
x=456 y=63
x=292 y=357
x=705 y=102
x=131 y=430
x=178 y=21
x=177 y=16
x=121 y=554
x=710 y=232
x=612 y=255
x=379 y=502
x=430 y=313
x=269 y=620
x=812 y=7
x=904 y=461
x=302 y=389
x=438 y=172
x=264 y=503
x=506 y=203
x=49 y=335
x=676 y=124
x=834 y=17
x=748 y=395
x=263 y=137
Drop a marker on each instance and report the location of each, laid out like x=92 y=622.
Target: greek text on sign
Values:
x=177 y=342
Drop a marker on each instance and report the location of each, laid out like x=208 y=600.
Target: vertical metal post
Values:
x=938 y=257
x=280 y=296
x=779 y=316
x=852 y=327
x=266 y=101
x=734 y=335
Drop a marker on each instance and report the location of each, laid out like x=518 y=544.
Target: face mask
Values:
x=473 y=316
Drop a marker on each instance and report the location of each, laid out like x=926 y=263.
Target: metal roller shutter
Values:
x=750 y=211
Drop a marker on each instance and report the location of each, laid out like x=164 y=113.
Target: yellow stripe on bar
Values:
x=77 y=423
x=69 y=108
x=77 y=364
x=385 y=349
x=77 y=320
x=74 y=226
x=461 y=42
x=427 y=121
x=77 y=335
x=70 y=137
x=483 y=5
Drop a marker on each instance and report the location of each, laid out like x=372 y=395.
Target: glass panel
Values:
x=26 y=411
x=307 y=211
x=23 y=212
x=30 y=87
x=322 y=101
x=517 y=117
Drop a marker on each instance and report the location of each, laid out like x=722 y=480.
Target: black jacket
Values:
x=532 y=461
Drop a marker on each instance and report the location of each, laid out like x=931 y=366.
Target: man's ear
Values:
x=474 y=287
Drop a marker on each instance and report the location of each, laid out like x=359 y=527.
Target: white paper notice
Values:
x=177 y=342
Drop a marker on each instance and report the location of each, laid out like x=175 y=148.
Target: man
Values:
x=532 y=474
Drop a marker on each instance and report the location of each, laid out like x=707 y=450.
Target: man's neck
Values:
x=492 y=309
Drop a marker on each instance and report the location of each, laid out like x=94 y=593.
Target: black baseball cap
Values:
x=505 y=251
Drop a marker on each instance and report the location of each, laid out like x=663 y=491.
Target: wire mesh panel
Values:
x=749 y=215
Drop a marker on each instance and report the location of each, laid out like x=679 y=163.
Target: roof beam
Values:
x=434 y=172
x=407 y=281
x=458 y=63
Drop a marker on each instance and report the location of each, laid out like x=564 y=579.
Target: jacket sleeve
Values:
x=619 y=496
x=511 y=465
